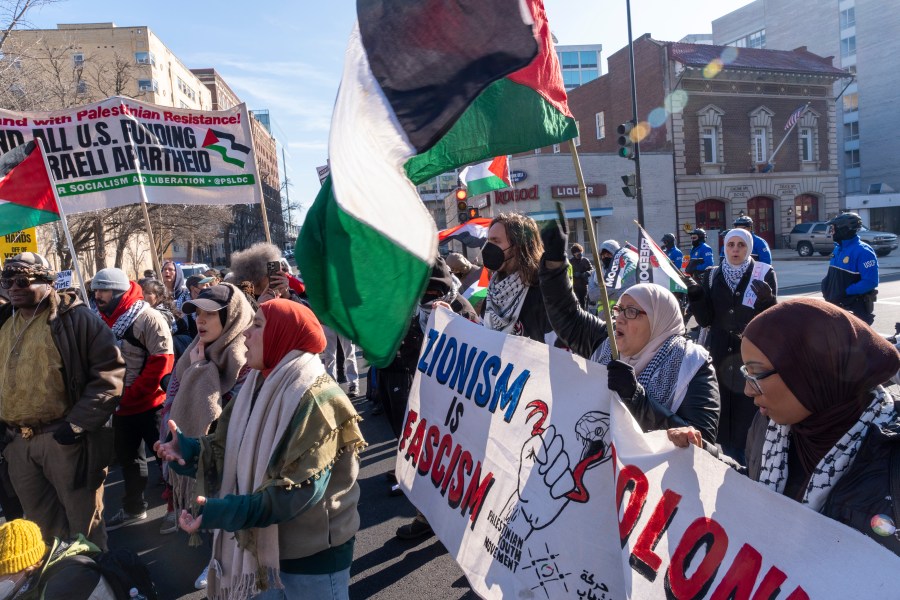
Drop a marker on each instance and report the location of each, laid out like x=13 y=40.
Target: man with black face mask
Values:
x=852 y=278
x=581 y=274
x=513 y=252
x=146 y=342
x=701 y=254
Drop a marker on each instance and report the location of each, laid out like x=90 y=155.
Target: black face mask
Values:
x=577 y=256
x=607 y=261
x=493 y=255
x=696 y=242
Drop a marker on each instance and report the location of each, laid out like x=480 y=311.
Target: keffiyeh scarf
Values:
x=126 y=319
x=660 y=377
x=837 y=461
x=504 y=302
x=733 y=273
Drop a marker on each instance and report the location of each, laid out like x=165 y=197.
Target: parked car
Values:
x=193 y=269
x=807 y=238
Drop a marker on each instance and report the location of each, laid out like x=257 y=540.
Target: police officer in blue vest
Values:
x=701 y=254
x=852 y=278
x=760 y=251
x=670 y=247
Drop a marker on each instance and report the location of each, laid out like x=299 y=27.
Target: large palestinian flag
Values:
x=413 y=71
x=26 y=198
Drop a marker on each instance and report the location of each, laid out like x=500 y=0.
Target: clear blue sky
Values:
x=286 y=56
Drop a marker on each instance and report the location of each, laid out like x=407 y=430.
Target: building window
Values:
x=589 y=75
x=588 y=59
x=537 y=150
x=851 y=159
x=851 y=102
x=848 y=18
x=851 y=131
x=569 y=60
x=555 y=148
x=759 y=144
x=148 y=85
x=852 y=185
x=757 y=39
x=186 y=89
x=806 y=144
x=78 y=59
x=848 y=46
x=571 y=79
x=144 y=58
x=708 y=137
x=741 y=43
x=600 y=119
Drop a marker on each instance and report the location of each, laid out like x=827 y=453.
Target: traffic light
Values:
x=473 y=212
x=462 y=205
x=630 y=187
x=626 y=142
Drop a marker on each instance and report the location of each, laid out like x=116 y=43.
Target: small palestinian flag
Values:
x=224 y=144
x=26 y=195
x=472 y=233
x=487 y=176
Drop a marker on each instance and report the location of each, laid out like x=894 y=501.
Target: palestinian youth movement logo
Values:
x=224 y=144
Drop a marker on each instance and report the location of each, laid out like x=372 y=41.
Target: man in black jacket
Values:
x=61 y=376
x=581 y=273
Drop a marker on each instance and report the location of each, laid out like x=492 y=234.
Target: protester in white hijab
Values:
x=735 y=292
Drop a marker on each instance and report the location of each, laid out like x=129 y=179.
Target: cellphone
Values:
x=273 y=267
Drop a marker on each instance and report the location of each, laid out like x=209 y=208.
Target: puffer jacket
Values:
x=583 y=333
x=93 y=366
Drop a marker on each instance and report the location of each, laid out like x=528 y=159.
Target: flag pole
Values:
x=262 y=196
x=65 y=224
x=137 y=167
x=595 y=250
x=771 y=160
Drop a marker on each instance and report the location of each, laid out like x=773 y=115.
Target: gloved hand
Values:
x=66 y=436
x=621 y=379
x=694 y=290
x=762 y=290
x=555 y=237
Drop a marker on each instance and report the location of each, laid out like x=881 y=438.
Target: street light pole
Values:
x=639 y=196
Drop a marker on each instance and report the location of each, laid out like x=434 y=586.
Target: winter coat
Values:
x=583 y=333
x=714 y=305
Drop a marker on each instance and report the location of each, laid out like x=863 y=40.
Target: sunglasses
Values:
x=754 y=380
x=629 y=312
x=21 y=281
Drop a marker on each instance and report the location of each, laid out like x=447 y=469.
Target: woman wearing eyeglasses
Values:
x=735 y=292
x=825 y=430
x=662 y=377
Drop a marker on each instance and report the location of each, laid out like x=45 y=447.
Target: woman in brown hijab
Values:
x=826 y=428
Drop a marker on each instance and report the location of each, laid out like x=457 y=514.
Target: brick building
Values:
x=712 y=117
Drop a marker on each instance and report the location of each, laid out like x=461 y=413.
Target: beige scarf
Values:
x=201 y=385
x=323 y=428
x=665 y=320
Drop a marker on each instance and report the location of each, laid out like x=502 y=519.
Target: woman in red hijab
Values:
x=284 y=464
x=826 y=428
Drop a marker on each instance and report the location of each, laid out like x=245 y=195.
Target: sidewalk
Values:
x=793 y=270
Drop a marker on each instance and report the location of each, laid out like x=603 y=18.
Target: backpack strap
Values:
x=132 y=339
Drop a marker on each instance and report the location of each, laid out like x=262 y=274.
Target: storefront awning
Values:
x=549 y=215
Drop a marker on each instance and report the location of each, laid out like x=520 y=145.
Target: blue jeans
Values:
x=331 y=586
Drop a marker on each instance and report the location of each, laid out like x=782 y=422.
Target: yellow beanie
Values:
x=21 y=546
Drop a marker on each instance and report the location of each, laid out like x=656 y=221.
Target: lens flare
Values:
x=676 y=101
x=729 y=55
x=713 y=68
x=657 y=117
x=640 y=131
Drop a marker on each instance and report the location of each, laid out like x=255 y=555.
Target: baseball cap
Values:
x=211 y=299
x=195 y=280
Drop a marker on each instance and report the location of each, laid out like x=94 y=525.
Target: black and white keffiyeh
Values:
x=836 y=462
x=126 y=319
x=733 y=274
x=504 y=302
x=660 y=377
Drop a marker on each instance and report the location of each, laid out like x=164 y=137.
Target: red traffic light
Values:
x=461 y=194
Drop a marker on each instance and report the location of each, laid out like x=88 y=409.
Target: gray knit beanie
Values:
x=111 y=279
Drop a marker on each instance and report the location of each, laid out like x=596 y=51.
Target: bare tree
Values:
x=14 y=15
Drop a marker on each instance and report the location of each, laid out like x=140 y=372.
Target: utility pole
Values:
x=287 y=193
x=639 y=196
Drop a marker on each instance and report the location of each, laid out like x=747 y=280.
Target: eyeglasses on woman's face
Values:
x=754 y=379
x=628 y=312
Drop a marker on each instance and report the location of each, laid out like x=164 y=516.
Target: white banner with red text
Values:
x=100 y=154
x=541 y=485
